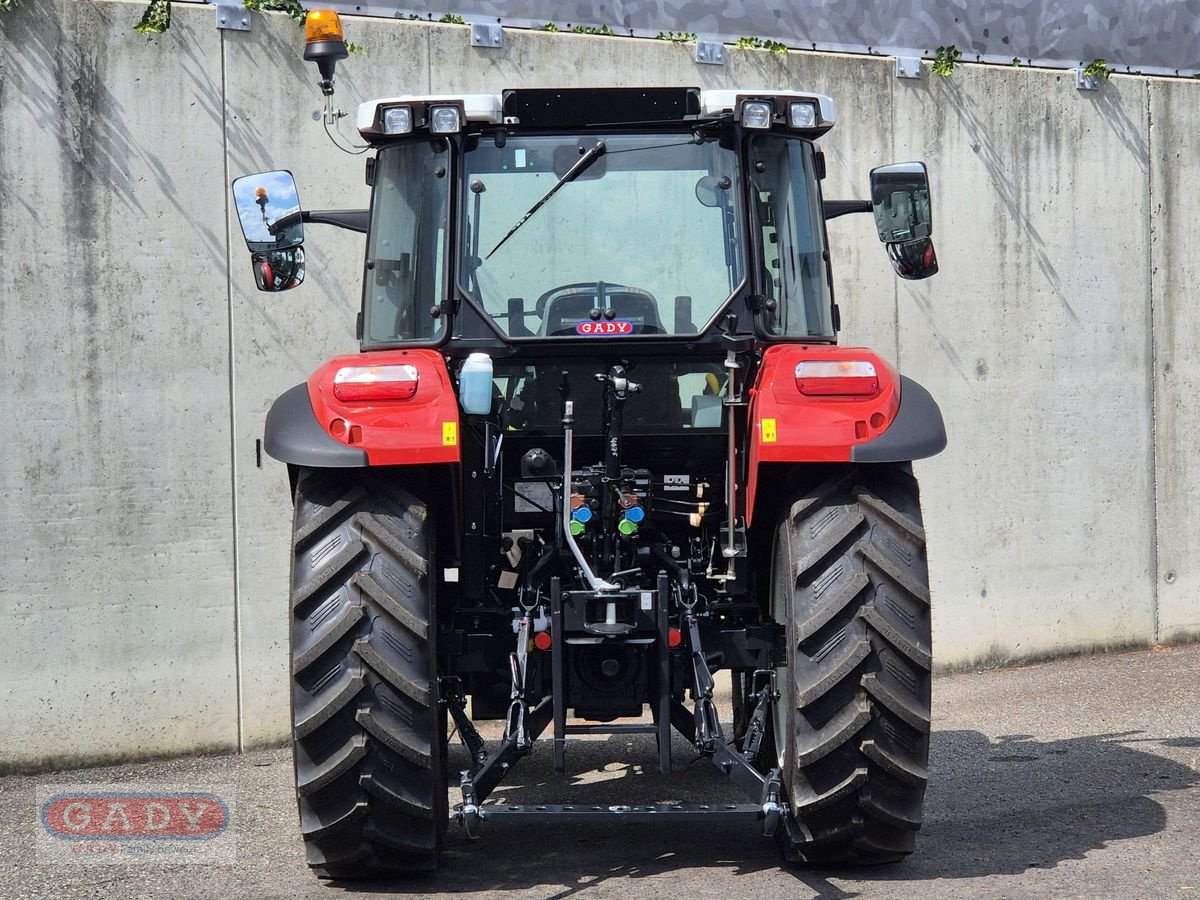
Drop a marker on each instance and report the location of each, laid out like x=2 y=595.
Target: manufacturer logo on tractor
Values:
x=617 y=326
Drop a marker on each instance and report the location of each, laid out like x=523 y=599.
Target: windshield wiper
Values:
x=570 y=175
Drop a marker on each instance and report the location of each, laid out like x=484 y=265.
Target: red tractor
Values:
x=600 y=445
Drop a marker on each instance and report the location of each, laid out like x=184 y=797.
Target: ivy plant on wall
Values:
x=755 y=43
x=945 y=59
x=157 y=16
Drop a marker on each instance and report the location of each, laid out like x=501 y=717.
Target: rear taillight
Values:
x=375 y=383
x=837 y=378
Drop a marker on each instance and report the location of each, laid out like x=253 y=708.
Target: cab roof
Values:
x=573 y=108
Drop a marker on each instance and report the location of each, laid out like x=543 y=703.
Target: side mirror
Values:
x=278 y=270
x=268 y=207
x=904 y=217
x=713 y=191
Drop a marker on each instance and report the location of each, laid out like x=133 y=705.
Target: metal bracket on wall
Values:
x=710 y=51
x=233 y=17
x=487 y=35
x=1086 y=82
x=908 y=67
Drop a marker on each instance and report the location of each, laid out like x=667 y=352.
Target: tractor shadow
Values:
x=1010 y=804
x=995 y=806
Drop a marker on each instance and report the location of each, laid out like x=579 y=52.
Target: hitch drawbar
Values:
x=727 y=812
x=524 y=724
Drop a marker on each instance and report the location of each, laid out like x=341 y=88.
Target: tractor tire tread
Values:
x=851 y=562
x=368 y=731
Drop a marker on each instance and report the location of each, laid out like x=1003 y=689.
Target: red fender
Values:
x=789 y=427
x=423 y=428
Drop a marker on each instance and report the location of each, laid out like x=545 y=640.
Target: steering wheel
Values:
x=586 y=287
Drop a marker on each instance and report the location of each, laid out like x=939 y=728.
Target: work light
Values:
x=802 y=114
x=444 y=119
x=756 y=114
x=397 y=120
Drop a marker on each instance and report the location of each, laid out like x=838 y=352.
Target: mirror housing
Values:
x=278 y=270
x=268 y=207
x=904 y=217
x=713 y=191
x=913 y=260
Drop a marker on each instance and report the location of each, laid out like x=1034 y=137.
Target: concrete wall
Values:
x=144 y=568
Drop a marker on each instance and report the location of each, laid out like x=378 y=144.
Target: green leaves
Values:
x=156 y=19
x=603 y=30
x=754 y=43
x=944 y=60
x=1097 y=68
x=292 y=7
x=676 y=37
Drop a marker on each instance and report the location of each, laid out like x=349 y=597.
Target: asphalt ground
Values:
x=1075 y=778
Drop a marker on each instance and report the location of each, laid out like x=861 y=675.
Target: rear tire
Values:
x=850 y=580
x=368 y=734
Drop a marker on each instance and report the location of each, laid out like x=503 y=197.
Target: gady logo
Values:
x=617 y=326
x=135 y=816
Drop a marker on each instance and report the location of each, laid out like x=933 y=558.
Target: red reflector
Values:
x=375 y=383
x=542 y=640
x=837 y=378
x=674 y=638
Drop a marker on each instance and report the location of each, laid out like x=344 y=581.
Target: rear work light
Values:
x=397 y=120
x=756 y=114
x=837 y=378
x=375 y=383
x=802 y=114
x=444 y=120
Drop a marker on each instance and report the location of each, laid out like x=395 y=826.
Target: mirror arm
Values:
x=350 y=219
x=834 y=208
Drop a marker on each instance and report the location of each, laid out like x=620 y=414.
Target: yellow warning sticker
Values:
x=768 y=431
x=449 y=434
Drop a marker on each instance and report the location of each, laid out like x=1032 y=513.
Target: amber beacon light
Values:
x=324 y=44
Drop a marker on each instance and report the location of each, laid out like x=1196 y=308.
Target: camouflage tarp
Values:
x=1152 y=36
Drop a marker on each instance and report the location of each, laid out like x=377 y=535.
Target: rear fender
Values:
x=899 y=423
x=309 y=426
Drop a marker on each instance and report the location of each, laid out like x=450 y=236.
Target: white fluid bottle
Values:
x=475 y=385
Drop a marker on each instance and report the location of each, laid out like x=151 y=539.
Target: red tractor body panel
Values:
x=790 y=427
x=423 y=428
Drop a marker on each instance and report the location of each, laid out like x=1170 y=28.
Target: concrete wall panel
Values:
x=1176 y=272
x=1035 y=339
x=115 y=493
